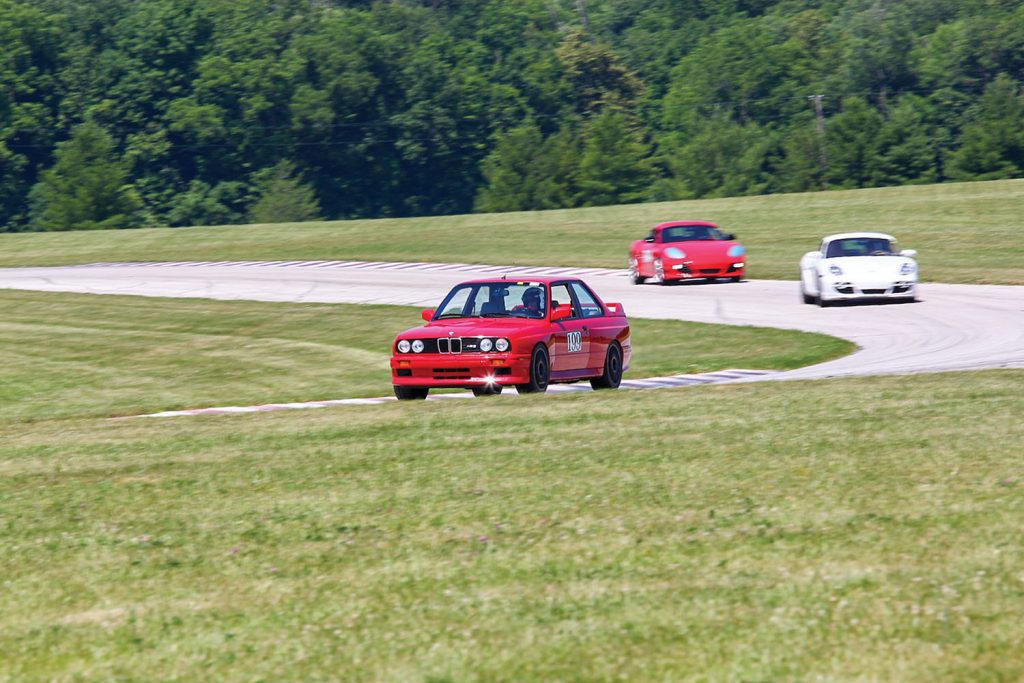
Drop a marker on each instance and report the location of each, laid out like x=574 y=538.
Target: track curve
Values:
x=952 y=327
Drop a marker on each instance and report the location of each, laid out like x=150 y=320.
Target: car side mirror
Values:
x=909 y=253
x=427 y=314
x=648 y=239
x=561 y=312
x=730 y=235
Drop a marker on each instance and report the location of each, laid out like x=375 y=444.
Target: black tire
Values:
x=822 y=303
x=411 y=393
x=540 y=372
x=805 y=297
x=612 y=375
x=489 y=390
x=634 y=272
x=659 y=271
x=735 y=279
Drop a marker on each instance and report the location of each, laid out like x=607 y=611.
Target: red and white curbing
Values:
x=719 y=377
x=538 y=271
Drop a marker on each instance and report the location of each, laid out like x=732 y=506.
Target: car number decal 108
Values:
x=575 y=341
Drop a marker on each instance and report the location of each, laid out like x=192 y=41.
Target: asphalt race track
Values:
x=951 y=327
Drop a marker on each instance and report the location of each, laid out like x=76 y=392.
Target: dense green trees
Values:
x=86 y=188
x=181 y=112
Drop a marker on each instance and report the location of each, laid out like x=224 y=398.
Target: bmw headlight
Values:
x=835 y=270
x=417 y=346
x=486 y=345
x=907 y=268
x=501 y=345
x=404 y=346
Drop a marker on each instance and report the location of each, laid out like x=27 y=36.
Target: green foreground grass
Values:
x=966 y=233
x=76 y=355
x=857 y=529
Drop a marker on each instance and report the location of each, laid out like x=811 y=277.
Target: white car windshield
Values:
x=860 y=246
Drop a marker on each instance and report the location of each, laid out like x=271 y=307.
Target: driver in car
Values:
x=531 y=306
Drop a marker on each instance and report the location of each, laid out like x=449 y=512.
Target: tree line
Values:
x=130 y=113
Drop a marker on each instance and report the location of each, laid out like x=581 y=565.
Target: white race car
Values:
x=858 y=265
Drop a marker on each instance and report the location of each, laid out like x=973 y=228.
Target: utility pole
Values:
x=822 y=157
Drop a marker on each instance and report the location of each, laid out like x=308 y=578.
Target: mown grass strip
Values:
x=964 y=232
x=67 y=355
x=856 y=529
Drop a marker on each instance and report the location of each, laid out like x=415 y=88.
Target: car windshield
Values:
x=502 y=299
x=690 y=233
x=860 y=246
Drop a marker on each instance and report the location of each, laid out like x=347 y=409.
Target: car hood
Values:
x=709 y=249
x=474 y=327
x=869 y=266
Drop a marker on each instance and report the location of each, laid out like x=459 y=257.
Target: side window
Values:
x=560 y=296
x=589 y=308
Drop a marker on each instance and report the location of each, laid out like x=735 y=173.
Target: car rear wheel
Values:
x=540 y=372
x=612 y=375
x=411 y=393
x=489 y=390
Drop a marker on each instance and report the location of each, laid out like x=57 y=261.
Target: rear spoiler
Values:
x=615 y=310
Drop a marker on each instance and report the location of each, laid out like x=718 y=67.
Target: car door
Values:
x=596 y=325
x=571 y=352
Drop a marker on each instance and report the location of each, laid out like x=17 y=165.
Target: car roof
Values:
x=852 y=235
x=513 y=278
x=673 y=224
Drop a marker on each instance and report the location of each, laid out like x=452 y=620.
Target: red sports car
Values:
x=686 y=250
x=488 y=334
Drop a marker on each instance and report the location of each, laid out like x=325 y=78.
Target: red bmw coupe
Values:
x=685 y=250
x=489 y=334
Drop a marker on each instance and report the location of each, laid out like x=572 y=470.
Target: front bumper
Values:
x=840 y=290
x=460 y=370
x=689 y=270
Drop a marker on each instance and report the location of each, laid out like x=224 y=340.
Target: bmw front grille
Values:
x=449 y=345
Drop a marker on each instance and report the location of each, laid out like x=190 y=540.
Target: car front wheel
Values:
x=411 y=393
x=489 y=390
x=804 y=296
x=659 y=271
x=540 y=372
x=612 y=375
x=634 y=272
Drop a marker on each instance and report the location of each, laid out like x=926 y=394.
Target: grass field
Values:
x=75 y=355
x=858 y=529
x=967 y=232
